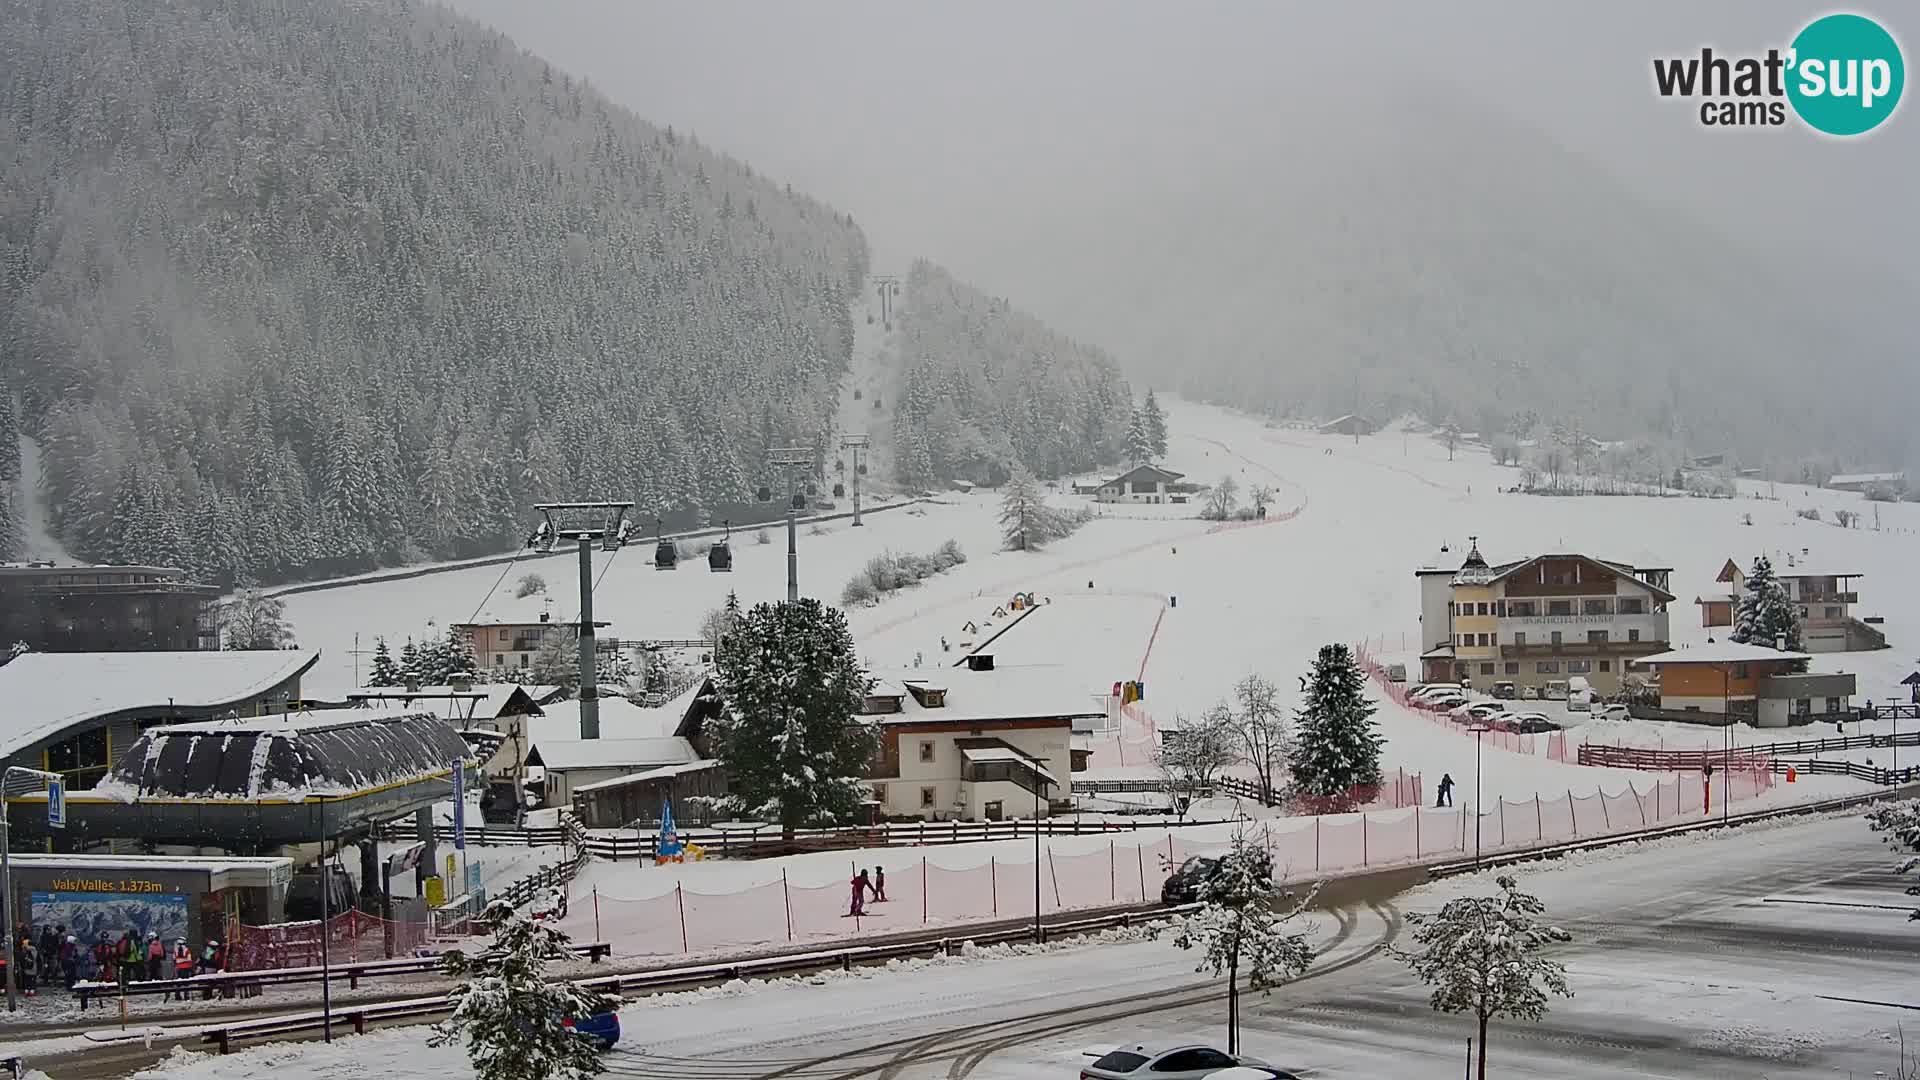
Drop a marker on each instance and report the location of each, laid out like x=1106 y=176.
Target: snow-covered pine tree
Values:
x=1899 y=826
x=512 y=1019
x=1027 y=523
x=791 y=731
x=459 y=653
x=1766 y=614
x=1139 y=442
x=385 y=672
x=410 y=664
x=1155 y=422
x=1241 y=925
x=1482 y=957
x=1337 y=743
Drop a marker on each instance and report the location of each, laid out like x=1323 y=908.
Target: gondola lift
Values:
x=666 y=554
x=720 y=555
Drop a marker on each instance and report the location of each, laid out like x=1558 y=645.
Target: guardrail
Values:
x=249 y=983
x=686 y=977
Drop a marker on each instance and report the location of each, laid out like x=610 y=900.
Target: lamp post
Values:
x=1039 y=795
x=1478 y=731
x=6 y=871
x=326 y=932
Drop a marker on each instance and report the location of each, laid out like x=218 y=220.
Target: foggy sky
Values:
x=993 y=135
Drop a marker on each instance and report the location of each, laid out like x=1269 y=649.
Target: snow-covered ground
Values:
x=1144 y=592
x=1704 y=956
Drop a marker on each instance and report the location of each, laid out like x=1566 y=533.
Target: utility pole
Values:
x=583 y=523
x=792 y=459
x=6 y=866
x=859 y=444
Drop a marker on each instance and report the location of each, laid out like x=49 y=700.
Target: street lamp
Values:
x=1478 y=731
x=6 y=870
x=1039 y=794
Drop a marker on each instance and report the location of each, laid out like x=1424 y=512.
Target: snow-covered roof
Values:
x=662 y=773
x=480 y=701
x=223 y=872
x=45 y=694
x=1007 y=692
x=1476 y=575
x=506 y=609
x=1866 y=478
x=1722 y=652
x=619 y=719
x=1006 y=753
x=576 y=753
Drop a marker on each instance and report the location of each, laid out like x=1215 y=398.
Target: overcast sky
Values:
x=963 y=131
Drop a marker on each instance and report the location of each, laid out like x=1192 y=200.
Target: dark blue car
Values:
x=602 y=1028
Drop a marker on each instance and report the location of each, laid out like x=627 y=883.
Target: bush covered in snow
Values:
x=530 y=585
x=891 y=571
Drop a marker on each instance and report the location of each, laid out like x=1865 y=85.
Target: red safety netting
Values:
x=351 y=936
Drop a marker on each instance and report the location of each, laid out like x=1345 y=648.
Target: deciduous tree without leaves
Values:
x=1191 y=756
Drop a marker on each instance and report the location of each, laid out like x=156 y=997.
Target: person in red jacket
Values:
x=859 y=885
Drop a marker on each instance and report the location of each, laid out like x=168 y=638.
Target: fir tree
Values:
x=459 y=653
x=513 y=1020
x=1155 y=422
x=385 y=672
x=1027 y=523
x=791 y=732
x=1481 y=956
x=1337 y=748
x=410 y=664
x=1241 y=925
x=1139 y=441
x=1766 y=614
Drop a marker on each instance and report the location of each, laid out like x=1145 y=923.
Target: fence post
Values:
x=1418 y=813
x=1573 y=815
x=1539 y=823
x=1365 y=820
x=786 y=901
x=923 y=890
x=1113 y=879
x=1140 y=860
x=1316 y=843
x=993 y=881
x=680 y=898
x=1053 y=871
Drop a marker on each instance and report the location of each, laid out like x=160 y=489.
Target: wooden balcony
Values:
x=1580 y=647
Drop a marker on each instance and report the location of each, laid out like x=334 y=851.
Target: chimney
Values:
x=980 y=662
x=1780 y=642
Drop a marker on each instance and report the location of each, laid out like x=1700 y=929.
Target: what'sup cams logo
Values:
x=1842 y=75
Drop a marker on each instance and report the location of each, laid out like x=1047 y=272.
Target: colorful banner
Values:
x=105 y=916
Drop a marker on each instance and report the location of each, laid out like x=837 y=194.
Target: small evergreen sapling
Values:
x=507 y=1013
x=1241 y=926
x=385 y=671
x=1481 y=956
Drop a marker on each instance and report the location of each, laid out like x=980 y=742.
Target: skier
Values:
x=1446 y=791
x=156 y=957
x=182 y=966
x=103 y=960
x=69 y=961
x=128 y=961
x=859 y=885
x=879 y=884
x=213 y=957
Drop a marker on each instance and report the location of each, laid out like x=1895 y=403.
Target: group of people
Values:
x=48 y=953
x=865 y=886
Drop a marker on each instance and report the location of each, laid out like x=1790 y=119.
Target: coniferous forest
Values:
x=291 y=289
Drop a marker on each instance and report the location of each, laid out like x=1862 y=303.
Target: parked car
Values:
x=1529 y=693
x=1555 y=690
x=1424 y=689
x=1146 y=1061
x=1253 y=1072
x=1183 y=885
x=1396 y=673
x=1532 y=723
x=1504 y=691
x=1477 y=711
x=1612 y=712
x=603 y=1029
x=1442 y=702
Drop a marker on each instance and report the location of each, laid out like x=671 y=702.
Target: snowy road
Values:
x=1756 y=953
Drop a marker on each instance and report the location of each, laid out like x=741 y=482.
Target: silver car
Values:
x=1178 y=1061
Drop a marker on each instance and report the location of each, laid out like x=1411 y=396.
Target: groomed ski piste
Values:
x=1189 y=607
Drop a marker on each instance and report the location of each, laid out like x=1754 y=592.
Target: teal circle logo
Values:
x=1845 y=75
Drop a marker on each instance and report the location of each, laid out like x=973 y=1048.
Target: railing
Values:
x=1632 y=757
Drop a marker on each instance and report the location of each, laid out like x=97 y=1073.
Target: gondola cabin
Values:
x=720 y=557
x=666 y=555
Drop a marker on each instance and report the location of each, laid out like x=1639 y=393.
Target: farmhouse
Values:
x=1749 y=682
x=1141 y=484
x=1823 y=597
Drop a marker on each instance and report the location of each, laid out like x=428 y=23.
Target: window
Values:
x=523 y=660
x=1556 y=637
x=1487 y=669
x=1513 y=667
x=506 y=635
x=1559 y=607
x=880 y=793
x=1465 y=639
x=1520 y=638
x=1483 y=639
x=1833 y=705
x=1547 y=667
x=1832 y=612
x=1606 y=665
x=1632 y=605
x=1803 y=707
x=927 y=797
x=926 y=750
x=1633 y=635
x=1500 y=608
x=1120 y=1061
x=1596 y=607
x=1579 y=667
x=1597 y=637
x=1483 y=609
x=1523 y=609
x=1739 y=671
x=1199 y=1059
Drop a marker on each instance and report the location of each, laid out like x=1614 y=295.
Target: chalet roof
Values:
x=1146 y=472
x=1731 y=569
x=1008 y=692
x=1723 y=652
x=619 y=719
x=560 y=755
x=662 y=773
x=45 y=694
x=1475 y=576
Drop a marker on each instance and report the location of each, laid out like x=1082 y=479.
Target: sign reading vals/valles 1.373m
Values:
x=110 y=885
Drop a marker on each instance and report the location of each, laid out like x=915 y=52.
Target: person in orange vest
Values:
x=182 y=966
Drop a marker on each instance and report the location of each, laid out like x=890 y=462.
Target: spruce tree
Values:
x=410 y=664
x=1766 y=614
x=1139 y=444
x=513 y=1019
x=459 y=651
x=385 y=672
x=1337 y=746
x=791 y=731
x=1156 y=426
x=1026 y=521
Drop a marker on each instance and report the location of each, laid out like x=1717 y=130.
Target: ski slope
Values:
x=1190 y=607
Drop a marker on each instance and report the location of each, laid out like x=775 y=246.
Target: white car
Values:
x=1442 y=702
x=1612 y=712
x=1177 y=1061
x=1479 y=710
x=1425 y=690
